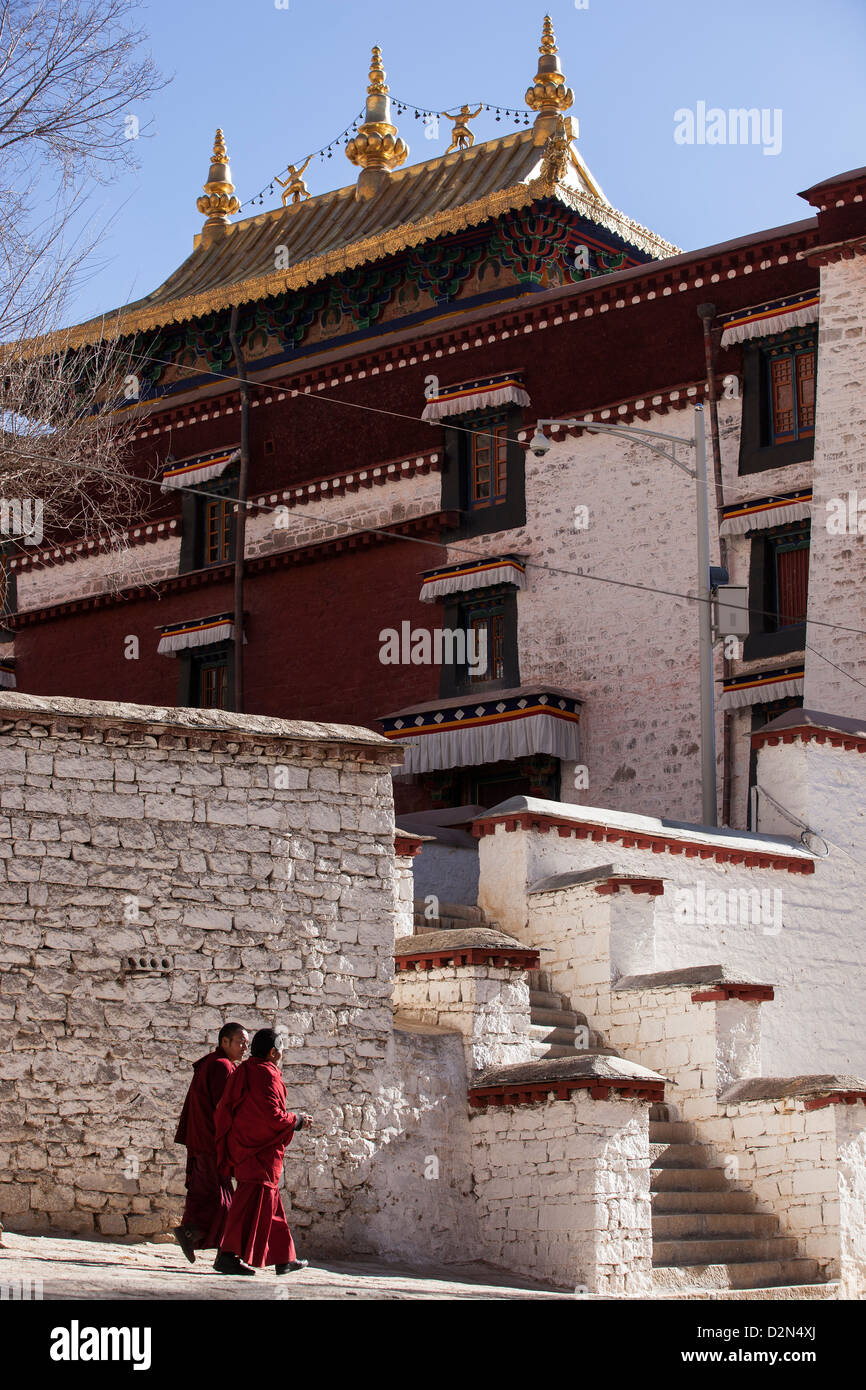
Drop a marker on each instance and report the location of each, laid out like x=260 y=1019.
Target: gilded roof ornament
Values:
x=555 y=153
x=461 y=136
x=549 y=95
x=377 y=148
x=293 y=185
x=219 y=201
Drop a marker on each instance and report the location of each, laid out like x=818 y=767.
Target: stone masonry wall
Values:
x=487 y=1004
x=563 y=1190
x=837 y=560
x=162 y=871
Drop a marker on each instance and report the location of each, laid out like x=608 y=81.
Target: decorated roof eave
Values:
x=359 y=253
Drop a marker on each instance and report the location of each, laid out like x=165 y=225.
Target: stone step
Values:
x=547 y=1033
x=671 y=1132
x=466 y=911
x=558 y=1018
x=698 y=1203
x=719 y=1251
x=686 y=1225
x=775 y=1293
x=542 y=1050
x=423 y=924
x=679 y=1156
x=736 y=1275
x=544 y=999
x=688 y=1180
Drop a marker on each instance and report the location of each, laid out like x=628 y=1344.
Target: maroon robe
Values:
x=253 y=1128
x=208 y=1194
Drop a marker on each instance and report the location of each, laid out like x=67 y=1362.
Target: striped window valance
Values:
x=763 y=512
x=490 y=729
x=472 y=574
x=7 y=675
x=200 y=469
x=197 y=632
x=761 y=687
x=775 y=316
x=482 y=394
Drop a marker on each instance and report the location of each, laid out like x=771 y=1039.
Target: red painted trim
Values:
x=166 y=529
x=515 y=959
x=835 y=1098
x=808 y=734
x=433 y=522
x=760 y=994
x=336 y=485
x=659 y=843
x=408 y=845
x=535 y=1092
x=653 y=886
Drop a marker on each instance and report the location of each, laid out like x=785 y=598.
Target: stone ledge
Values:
x=463 y=946
x=816 y=1091
x=528 y=1083
x=43 y=709
x=721 y=982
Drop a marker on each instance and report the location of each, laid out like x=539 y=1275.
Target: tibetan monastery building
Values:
x=366 y=368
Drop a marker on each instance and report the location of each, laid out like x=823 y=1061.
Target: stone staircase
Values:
x=708 y=1235
x=554 y=1027
x=451 y=917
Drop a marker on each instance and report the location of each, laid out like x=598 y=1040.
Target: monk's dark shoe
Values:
x=291 y=1266
x=184 y=1237
x=231 y=1264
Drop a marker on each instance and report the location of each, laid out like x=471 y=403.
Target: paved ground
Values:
x=72 y=1268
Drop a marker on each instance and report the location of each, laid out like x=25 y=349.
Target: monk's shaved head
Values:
x=230 y=1030
x=264 y=1041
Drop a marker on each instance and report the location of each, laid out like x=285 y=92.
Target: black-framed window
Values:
x=492 y=613
x=779 y=381
x=779 y=586
x=209 y=524
x=207 y=677
x=483 y=472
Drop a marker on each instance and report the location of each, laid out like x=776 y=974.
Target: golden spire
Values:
x=219 y=201
x=377 y=148
x=549 y=95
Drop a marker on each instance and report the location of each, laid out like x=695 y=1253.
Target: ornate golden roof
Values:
x=335 y=231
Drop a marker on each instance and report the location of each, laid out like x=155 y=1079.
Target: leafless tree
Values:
x=74 y=81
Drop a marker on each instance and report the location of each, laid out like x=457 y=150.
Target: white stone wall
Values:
x=412 y=1200
x=404 y=887
x=127 y=832
x=487 y=1004
x=563 y=1191
x=807 y=941
x=809 y=1167
x=837 y=564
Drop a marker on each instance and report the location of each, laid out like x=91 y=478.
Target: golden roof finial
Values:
x=219 y=201
x=378 y=86
x=377 y=148
x=548 y=95
x=548 y=38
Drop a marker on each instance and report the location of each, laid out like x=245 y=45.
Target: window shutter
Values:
x=792 y=571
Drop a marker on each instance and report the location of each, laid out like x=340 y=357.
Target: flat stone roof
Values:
x=45 y=708
x=588 y=1064
x=651 y=825
x=444 y=939
x=688 y=975
x=788 y=1087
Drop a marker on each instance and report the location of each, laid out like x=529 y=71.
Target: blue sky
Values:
x=283 y=81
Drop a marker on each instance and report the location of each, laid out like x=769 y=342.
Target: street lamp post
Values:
x=539 y=446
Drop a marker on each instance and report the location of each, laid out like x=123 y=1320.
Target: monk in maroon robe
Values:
x=253 y=1127
x=208 y=1194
